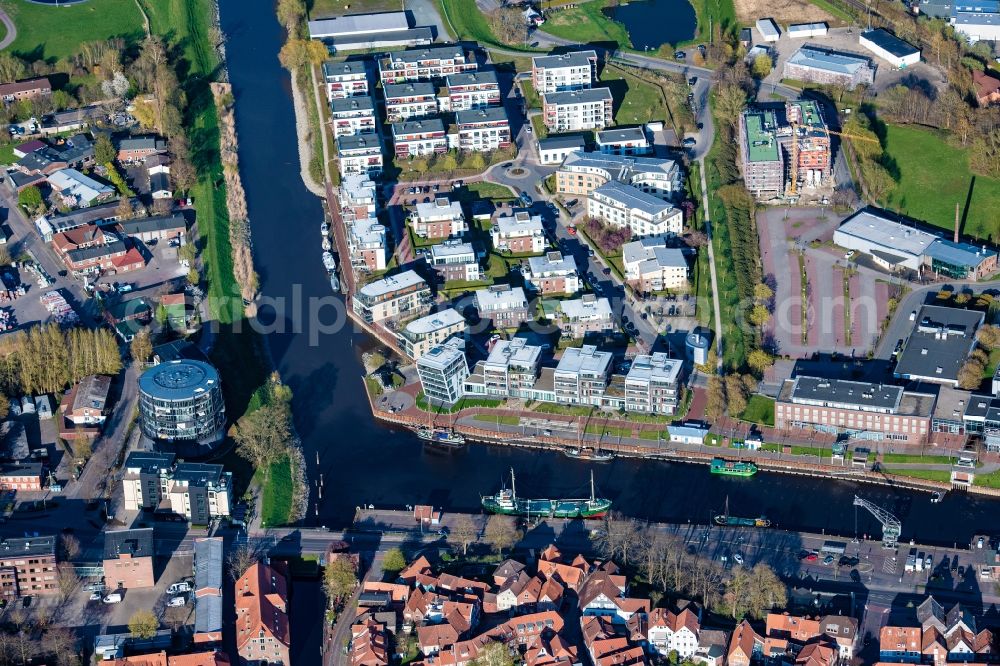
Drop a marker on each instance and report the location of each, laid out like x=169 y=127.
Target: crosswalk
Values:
x=889 y=564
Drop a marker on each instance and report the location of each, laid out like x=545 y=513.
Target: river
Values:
x=362 y=462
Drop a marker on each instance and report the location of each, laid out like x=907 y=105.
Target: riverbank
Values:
x=304 y=130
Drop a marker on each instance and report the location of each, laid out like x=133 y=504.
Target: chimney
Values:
x=956 y=222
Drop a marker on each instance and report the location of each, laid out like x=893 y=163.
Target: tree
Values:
x=759 y=315
x=762 y=292
x=297 y=53
x=970 y=375
x=242 y=558
x=117 y=86
x=463 y=533
x=339 y=580
x=715 y=402
x=11 y=67
x=448 y=162
x=495 y=653
x=82 y=447
x=142 y=347
x=104 y=150
x=60 y=643
x=290 y=14
x=124 y=209
x=736 y=395
x=143 y=624
x=394 y=561
x=989 y=336
x=69 y=547
x=262 y=435
x=183 y=174
x=760 y=360
x=501 y=533
x=30 y=198
x=761 y=65
x=508 y=25
x=620 y=538
x=4 y=406
x=730 y=99
x=764 y=591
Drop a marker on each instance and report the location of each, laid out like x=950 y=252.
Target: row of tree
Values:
x=973 y=371
x=47 y=358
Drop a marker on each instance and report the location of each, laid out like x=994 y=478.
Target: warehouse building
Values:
x=941 y=341
x=890 y=48
x=768 y=30
x=369 y=31
x=806 y=30
x=816 y=64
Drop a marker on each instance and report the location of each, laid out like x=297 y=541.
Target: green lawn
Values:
x=760 y=409
x=916 y=458
x=928 y=474
x=325 y=8
x=485 y=190
x=52 y=33
x=276 y=494
x=636 y=101
x=933 y=177
x=713 y=13
x=991 y=480
x=421 y=402
x=586 y=23
x=531 y=98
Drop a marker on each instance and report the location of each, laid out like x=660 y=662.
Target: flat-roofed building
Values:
x=443 y=371
x=426 y=64
x=518 y=233
x=28 y=567
x=511 y=368
x=473 y=90
x=360 y=154
x=814 y=153
x=441 y=218
x=352 y=115
x=977 y=26
x=624 y=141
x=588 y=314
x=346 y=79
x=209 y=554
x=200 y=492
x=652 y=266
x=817 y=64
x=455 y=261
x=483 y=130
x=555 y=149
x=806 y=30
x=381 y=30
x=861 y=410
x=889 y=47
x=415 y=138
x=128 y=559
x=941 y=341
x=366 y=244
x=652 y=384
x=573 y=70
x=582 y=173
x=621 y=205
x=144 y=479
x=503 y=305
x=582 y=375
x=553 y=273
x=424 y=333
x=762 y=162
x=575 y=110
x=402 y=295
x=407 y=101
x=768 y=29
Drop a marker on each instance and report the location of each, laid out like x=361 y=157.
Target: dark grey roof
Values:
x=15 y=441
x=890 y=42
x=159 y=182
x=441 y=52
x=415 y=89
x=137 y=543
x=840 y=392
x=79 y=254
x=92 y=392
x=618 y=134
x=411 y=36
x=569 y=59
x=149 y=462
x=941 y=340
x=359 y=141
x=142 y=143
x=418 y=126
x=978 y=405
x=585 y=96
x=21 y=469
x=77 y=148
x=177 y=349
x=493 y=114
x=197 y=474
x=474 y=78
x=21 y=179
x=141 y=225
x=208 y=557
x=347 y=104
x=348 y=67
x=45 y=545
x=178 y=380
x=561 y=141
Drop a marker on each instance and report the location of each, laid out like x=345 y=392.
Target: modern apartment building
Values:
x=588 y=314
x=181 y=403
x=441 y=218
x=345 y=79
x=360 y=154
x=555 y=149
x=352 y=115
x=505 y=306
x=568 y=71
x=472 y=90
x=761 y=158
x=582 y=173
x=144 y=479
x=518 y=233
x=408 y=101
x=582 y=375
x=652 y=266
x=422 y=334
x=263 y=633
x=553 y=273
x=366 y=243
x=624 y=141
x=426 y=64
x=200 y=492
x=652 y=384
x=415 y=138
x=402 y=295
x=808 y=129
x=576 y=110
x=483 y=130
x=443 y=371
x=621 y=205
x=455 y=261
x=511 y=368
x=861 y=410
x=28 y=567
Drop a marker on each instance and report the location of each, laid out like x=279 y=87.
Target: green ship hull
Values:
x=734 y=521
x=733 y=468
x=582 y=508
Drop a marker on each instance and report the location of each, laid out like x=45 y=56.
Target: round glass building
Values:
x=181 y=401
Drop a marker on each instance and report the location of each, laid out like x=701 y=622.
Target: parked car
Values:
x=176 y=602
x=738 y=558
x=689 y=142
x=95 y=596
x=177 y=588
x=828 y=560
x=113 y=598
x=693 y=80
x=679 y=55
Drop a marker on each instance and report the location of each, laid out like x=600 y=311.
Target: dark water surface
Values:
x=364 y=463
x=653 y=23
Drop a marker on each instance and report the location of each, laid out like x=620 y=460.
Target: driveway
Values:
x=11 y=29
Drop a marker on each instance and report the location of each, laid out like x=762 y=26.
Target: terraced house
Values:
x=426 y=64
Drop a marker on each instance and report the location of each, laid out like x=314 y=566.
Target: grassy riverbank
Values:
x=52 y=33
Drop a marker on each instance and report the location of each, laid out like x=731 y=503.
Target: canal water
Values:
x=653 y=23
x=361 y=462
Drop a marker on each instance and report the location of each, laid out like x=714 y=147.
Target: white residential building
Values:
x=582 y=375
x=443 y=371
x=553 y=273
x=511 y=368
x=420 y=335
x=352 y=115
x=77 y=190
x=426 y=64
x=588 y=314
x=441 y=218
x=415 y=138
x=581 y=173
x=555 y=149
x=483 y=130
x=652 y=384
x=505 y=306
x=624 y=141
x=652 y=266
x=402 y=295
x=577 y=110
x=673 y=632
x=568 y=71
x=345 y=79
x=366 y=243
x=405 y=101
x=473 y=90
x=455 y=261
x=360 y=154
x=519 y=233
x=622 y=205
x=358 y=196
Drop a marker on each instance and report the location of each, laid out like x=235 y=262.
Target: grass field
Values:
x=276 y=494
x=636 y=101
x=991 y=480
x=586 y=23
x=51 y=33
x=760 y=409
x=933 y=177
x=325 y=8
x=916 y=458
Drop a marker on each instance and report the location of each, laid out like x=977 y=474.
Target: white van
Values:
x=113 y=598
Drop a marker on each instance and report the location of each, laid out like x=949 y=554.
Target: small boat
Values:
x=589 y=454
x=324 y=228
x=937 y=496
x=507 y=503
x=733 y=467
x=334 y=282
x=326 y=245
x=329 y=262
x=441 y=437
x=725 y=520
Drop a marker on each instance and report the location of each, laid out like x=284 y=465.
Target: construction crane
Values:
x=794 y=168
x=891 y=527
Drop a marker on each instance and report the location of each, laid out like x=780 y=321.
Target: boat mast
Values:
x=513 y=489
x=592 y=498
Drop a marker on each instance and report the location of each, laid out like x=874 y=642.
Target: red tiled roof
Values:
x=261 y=605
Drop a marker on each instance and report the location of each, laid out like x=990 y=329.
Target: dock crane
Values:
x=891 y=526
x=794 y=167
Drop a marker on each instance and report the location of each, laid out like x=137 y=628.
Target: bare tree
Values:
x=501 y=533
x=69 y=547
x=242 y=558
x=463 y=533
x=620 y=539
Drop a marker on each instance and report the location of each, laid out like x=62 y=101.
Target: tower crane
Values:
x=891 y=526
x=794 y=168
